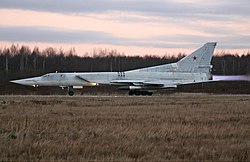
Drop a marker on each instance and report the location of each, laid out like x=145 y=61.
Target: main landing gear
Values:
x=138 y=93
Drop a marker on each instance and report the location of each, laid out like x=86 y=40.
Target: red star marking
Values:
x=194 y=58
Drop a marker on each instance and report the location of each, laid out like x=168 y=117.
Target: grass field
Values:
x=192 y=127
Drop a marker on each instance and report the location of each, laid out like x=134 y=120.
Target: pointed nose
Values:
x=20 y=81
x=23 y=82
x=16 y=81
x=28 y=82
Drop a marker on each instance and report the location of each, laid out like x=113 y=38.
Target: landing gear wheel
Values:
x=149 y=93
x=137 y=93
x=131 y=93
x=71 y=93
x=144 y=93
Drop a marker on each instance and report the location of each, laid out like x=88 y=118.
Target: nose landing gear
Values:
x=70 y=91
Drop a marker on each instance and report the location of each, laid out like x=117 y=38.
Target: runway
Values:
x=127 y=96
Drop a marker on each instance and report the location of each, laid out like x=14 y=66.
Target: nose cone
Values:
x=27 y=82
x=20 y=81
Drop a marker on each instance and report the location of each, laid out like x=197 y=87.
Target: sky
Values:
x=132 y=27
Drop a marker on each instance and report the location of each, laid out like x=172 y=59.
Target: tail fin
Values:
x=199 y=60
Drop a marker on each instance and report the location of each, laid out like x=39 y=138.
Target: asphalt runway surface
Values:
x=127 y=96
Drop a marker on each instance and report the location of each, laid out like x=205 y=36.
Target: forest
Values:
x=22 y=61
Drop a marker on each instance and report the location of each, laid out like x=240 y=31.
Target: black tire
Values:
x=71 y=93
x=137 y=93
x=144 y=93
x=131 y=93
x=150 y=93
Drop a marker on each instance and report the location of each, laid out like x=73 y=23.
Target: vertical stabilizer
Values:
x=199 y=60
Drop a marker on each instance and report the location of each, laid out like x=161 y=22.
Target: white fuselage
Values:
x=107 y=78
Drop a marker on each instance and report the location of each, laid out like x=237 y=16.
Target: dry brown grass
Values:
x=176 y=127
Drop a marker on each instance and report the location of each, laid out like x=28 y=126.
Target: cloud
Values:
x=144 y=23
x=233 y=41
x=53 y=35
x=151 y=7
x=56 y=35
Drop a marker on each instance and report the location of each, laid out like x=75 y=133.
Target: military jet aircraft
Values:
x=194 y=68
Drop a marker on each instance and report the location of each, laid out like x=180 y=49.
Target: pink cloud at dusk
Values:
x=143 y=27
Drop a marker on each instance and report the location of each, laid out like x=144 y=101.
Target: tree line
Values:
x=18 y=62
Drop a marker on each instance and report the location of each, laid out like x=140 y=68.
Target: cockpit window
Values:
x=46 y=75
